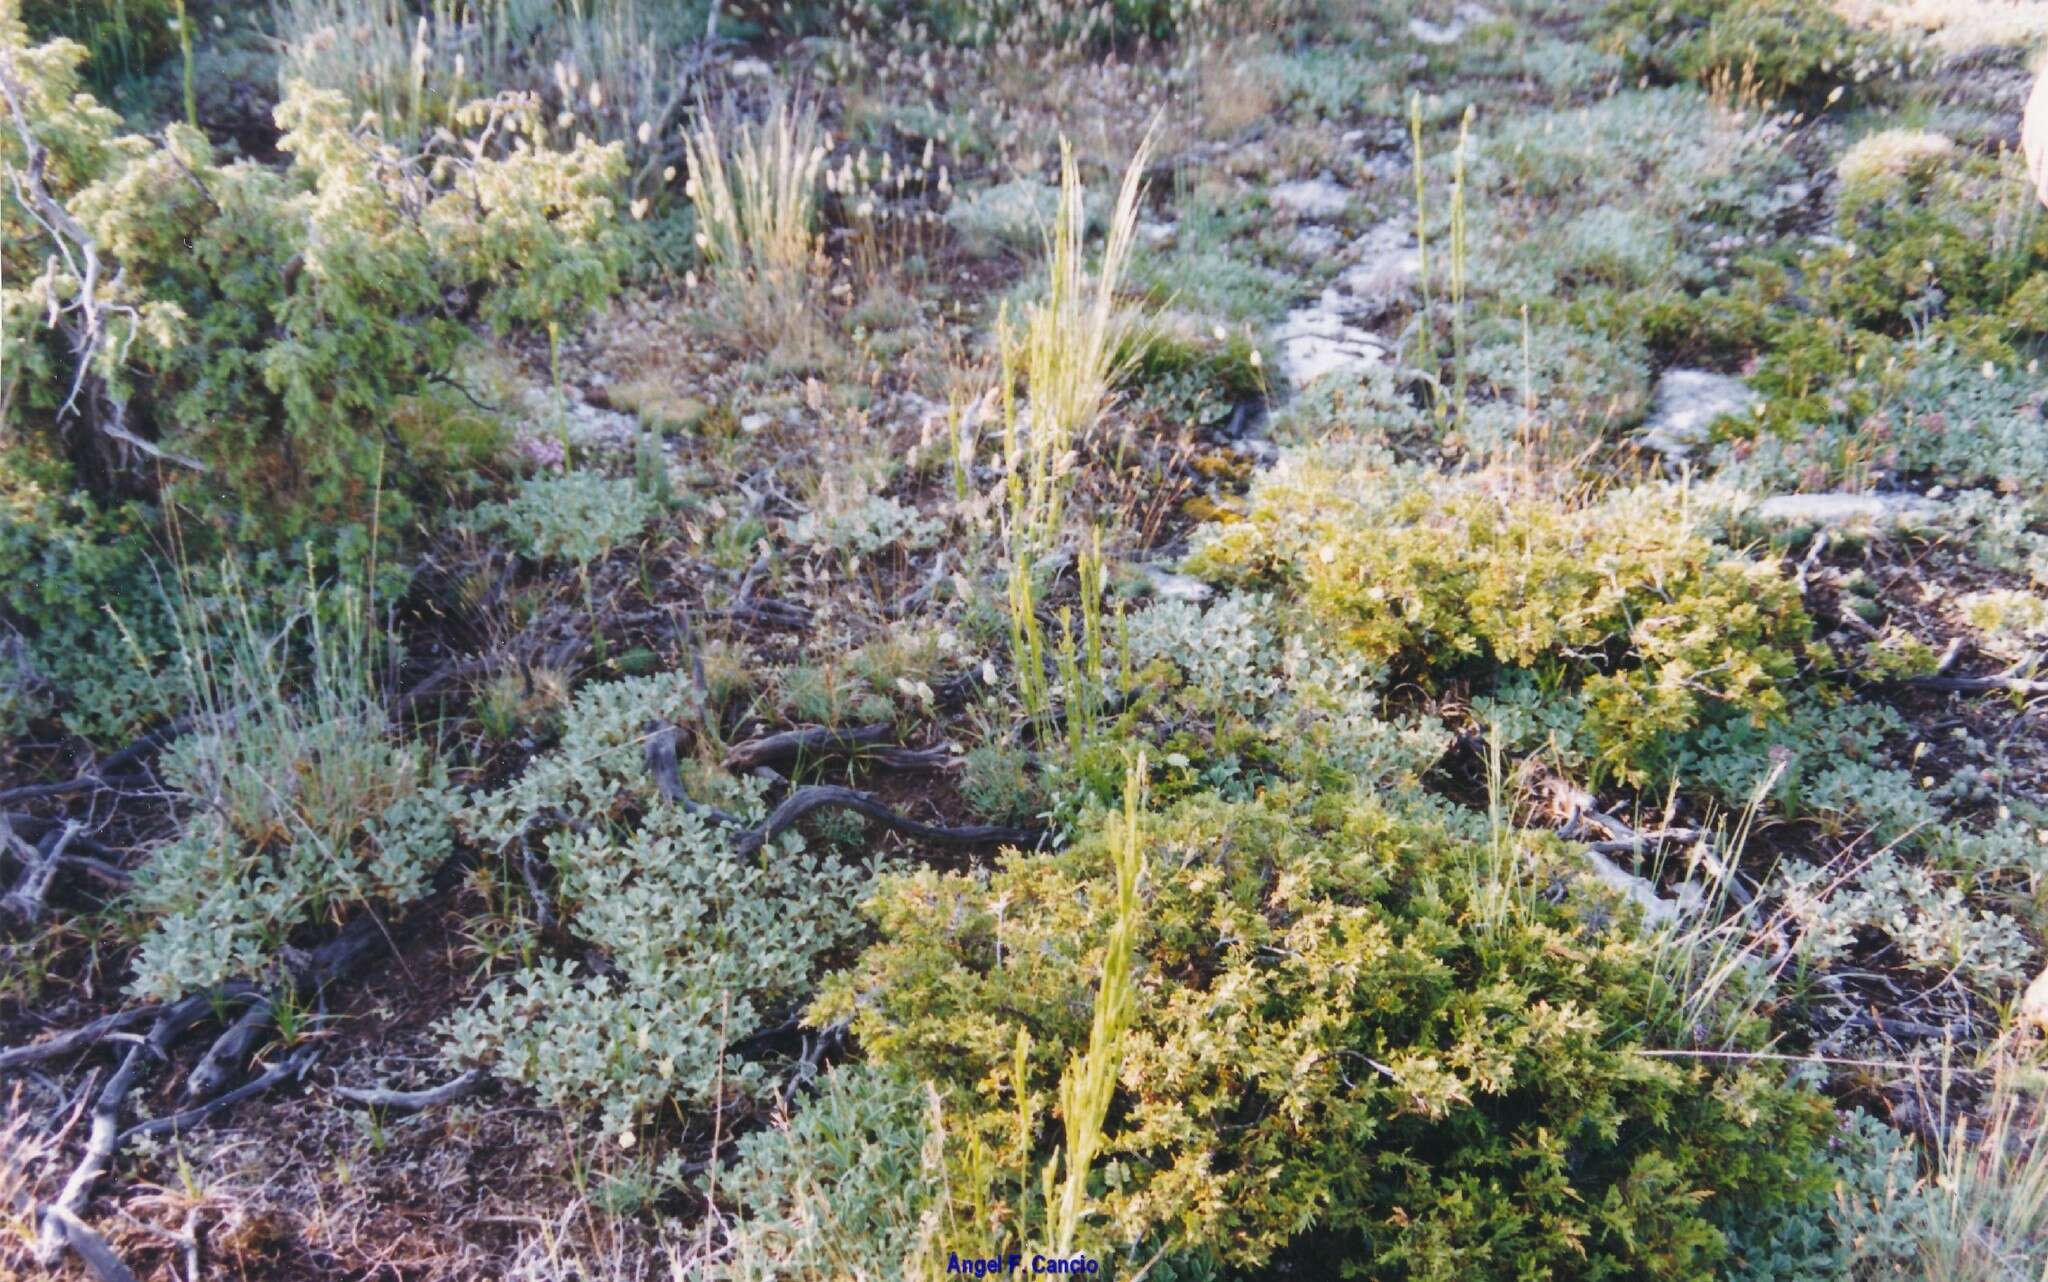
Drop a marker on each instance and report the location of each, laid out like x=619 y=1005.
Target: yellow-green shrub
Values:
x=1346 y=1023
x=1623 y=599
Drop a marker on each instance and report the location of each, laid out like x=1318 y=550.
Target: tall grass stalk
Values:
x=1424 y=336
x=1090 y=1079
x=1458 y=263
x=1070 y=348
x=1027 y=649
x=1987 y=1209
x=185 y=53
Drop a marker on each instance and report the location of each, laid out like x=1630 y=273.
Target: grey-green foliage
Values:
x=573 y=516
x=295 y=804
x=1009 y=216
x=1227 y=654
x=1669 y=152
x=692 y=945
x=1934 y=925
x=1867 y=1224
x=875 y=524
x=841 y=1191
x=274 y=840
x=1944 y=419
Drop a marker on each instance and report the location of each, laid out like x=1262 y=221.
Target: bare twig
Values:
x=1979 y=685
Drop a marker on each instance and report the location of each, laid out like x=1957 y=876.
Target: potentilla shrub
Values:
x=1347 y=1022
x=1622 y=600
x=258 y=327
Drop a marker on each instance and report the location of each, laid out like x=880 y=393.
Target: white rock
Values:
x=749 y=68
x=2033 y=1012
x=1312 y=198
x=1846 y=509
x=755 y=422
x=1316 y=343
x=1157 y=234
x=1686 y=405
x=1389 y=264
x=1430 y=33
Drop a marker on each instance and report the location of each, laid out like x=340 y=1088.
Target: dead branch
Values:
x=1979 y=685
x=661 y=763
x=413 y=1101
x=39 y=868
x=224 y=1059
x=104 y=1140
x=293 y=1065
x=91 y=1247
x=329 y=962
x=82 y=1038
x=788 y=744
x=816 y=797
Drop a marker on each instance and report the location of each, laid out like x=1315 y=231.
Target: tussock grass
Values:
x=755 y=187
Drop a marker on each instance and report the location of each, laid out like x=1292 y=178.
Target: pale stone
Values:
x=1686 y=405
x=1846 y=509
x=1312 y=198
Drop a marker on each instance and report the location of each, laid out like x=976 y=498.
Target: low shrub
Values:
x=256 y=327
x=1785 y=49
x=1623 y=600
x=1343 y=1020
x=839 y=1191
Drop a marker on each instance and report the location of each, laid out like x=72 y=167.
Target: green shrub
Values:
x=1623 y=600
x=1344 y=1021
x=64 y=558
x=263 y=324
x=1784 y=48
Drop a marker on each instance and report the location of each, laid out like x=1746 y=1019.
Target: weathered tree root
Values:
x=811 y=797
x=661 y=763
x=82 y=1038
x=224 y=1059
x=91 y=1247
x=104 y=1140
x=868 y=741
x=413 y=1101
x=293 y=1065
